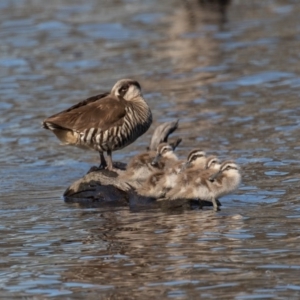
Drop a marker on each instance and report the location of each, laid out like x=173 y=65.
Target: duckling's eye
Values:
x=196 y=156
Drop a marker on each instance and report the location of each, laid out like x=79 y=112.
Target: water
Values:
x=232 y=79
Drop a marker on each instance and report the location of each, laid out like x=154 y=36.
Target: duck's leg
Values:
x=110 y=166
x=102 y=165
x=102 y=161
x=109 y=161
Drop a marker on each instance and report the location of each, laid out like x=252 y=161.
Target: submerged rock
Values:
x=106 y=188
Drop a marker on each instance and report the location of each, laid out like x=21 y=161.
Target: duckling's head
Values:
x=128 y=89
x=229 y=166
x=196 y=158
x=164 y=150
x=212 y=162
x=228 y=169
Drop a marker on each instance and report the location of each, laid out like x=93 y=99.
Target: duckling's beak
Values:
x=156 y=160
x=213 y=177
x=185 y=166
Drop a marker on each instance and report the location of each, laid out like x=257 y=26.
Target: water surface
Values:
x=232 y=77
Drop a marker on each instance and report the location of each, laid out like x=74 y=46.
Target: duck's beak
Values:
x=156 y=160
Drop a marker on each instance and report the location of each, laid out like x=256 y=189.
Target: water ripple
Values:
x=232 y=80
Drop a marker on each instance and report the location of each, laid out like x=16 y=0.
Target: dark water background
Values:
x=232 y=76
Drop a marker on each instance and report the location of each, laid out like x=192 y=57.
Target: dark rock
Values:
x=97 y=189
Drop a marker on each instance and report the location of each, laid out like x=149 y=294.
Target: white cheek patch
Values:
x=171 y=155
x=199 y=162
x=215 y=166
x=131 y=93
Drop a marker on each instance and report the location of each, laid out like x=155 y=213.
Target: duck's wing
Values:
x=102 y=111
x=82 y=103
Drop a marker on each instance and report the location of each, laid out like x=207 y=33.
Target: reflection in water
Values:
x=231 y=76
x=164 y=256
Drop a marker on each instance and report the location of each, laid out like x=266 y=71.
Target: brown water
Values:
x=233 y=79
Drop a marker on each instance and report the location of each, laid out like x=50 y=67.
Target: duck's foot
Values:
x=94 y=169
x=102 y=169
x=111 y=172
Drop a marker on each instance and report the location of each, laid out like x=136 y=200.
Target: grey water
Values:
x=230 y=73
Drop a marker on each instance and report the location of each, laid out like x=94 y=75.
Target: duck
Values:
x=106 y=122
x=210 y=184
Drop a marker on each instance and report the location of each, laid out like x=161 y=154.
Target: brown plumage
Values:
x=106 y=122
x=209 y=184
x=165 y=159
x=196 y=158
x=189 y=174
x=198 y=164
x=141 y=166
x=159 y=183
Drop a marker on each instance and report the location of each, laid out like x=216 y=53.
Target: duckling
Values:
x=164 y=160
x=149 y=187
x=227 y=179
x=210 y=184
x=162 y=181
x=190 y=171
x=141 y=166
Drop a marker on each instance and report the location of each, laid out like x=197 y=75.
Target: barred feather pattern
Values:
x=136 y=122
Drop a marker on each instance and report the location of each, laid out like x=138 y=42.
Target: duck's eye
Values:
x=123 y=89
x=165 y=150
